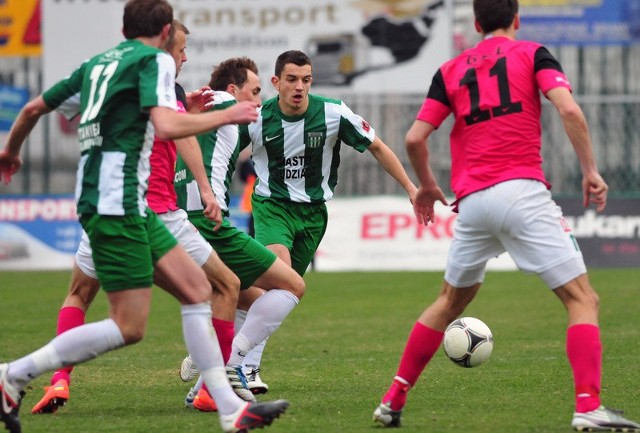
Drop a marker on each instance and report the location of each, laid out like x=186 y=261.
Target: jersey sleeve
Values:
x=70 y=108
x=436 y=106
x=548 y=71
x=354 y=130
x=67 y=92
x=157 y=82
x=244 y=138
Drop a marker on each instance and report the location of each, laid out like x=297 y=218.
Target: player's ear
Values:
x=231 y=89
x=516 y=22
x=165 y=32
x=275 y=82
x=477 y=25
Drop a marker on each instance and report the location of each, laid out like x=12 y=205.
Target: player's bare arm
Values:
x=594 y=188
x=429 y=192
x=170 y=125
x=392 y=165
x=10 y=161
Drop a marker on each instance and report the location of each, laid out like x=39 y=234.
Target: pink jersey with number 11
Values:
x=493 y=91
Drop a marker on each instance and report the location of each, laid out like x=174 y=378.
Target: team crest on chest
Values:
x=315 y=139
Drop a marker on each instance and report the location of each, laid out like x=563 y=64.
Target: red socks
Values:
x=68 y=318
x=422 y=344
x=584 y=350
x=224 y=332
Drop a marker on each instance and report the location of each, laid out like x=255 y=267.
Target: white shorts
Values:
x=180 y=227
x=520 y=217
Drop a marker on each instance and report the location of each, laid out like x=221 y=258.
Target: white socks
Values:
x=204 y=348
x=69 y=348
x=253 y=358
x=263 y=318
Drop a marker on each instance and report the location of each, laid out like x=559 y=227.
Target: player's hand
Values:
x=9 y=165
x=424 y=202
x=212 y=209
x=243 y=112
x=594 y=190
x=200 y=100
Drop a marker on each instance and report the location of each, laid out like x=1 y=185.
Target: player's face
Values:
x=293 y=88
x=250 y=91
x=178 y=51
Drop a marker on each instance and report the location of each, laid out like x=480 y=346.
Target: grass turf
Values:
x=335 y=355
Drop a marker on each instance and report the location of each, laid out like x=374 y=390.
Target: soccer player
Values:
x=296 y=142
x=503 y=200
x=237 y=80
x=296 y=152
x=161 y=198
x=127 y=94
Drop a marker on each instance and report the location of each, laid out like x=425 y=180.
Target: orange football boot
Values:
x=55 y=396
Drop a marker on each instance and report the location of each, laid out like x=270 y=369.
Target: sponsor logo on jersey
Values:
x=315 y=139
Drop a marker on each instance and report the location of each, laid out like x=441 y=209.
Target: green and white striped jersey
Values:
x=117 y=89
x=220 y=152
x=296 y=158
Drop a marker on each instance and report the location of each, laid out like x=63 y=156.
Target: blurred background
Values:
x=377 y=55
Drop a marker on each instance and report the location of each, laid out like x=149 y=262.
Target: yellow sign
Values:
x=20 y=28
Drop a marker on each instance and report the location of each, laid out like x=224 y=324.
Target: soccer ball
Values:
x=468 y=342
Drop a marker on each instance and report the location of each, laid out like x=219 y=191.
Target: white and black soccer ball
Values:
x=468 y=342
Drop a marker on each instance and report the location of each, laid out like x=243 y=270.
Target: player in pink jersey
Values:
x=503 y=200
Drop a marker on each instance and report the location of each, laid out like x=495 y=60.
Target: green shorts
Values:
x=126 y=248
x=245 y=256
x=298 y=226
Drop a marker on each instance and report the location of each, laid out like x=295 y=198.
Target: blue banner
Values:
x=12 y=99
x=580 y=22
x=38 y=232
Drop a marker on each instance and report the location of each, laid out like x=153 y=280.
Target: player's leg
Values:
x=83 y=288
x=472 y=246
x=191 y=288
x=545 y=245
x=225 y=284
x=123 y=263
x=253 y=359
x=423 y=342
x=82 y=291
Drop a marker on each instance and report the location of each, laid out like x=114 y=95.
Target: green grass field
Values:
x=336 y=354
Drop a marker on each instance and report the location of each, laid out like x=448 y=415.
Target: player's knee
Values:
x=233 y=284
x=296 y=285
x=132 y=334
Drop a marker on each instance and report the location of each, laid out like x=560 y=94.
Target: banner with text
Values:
x=580 y=22
x=381 y=233
x=364 y=234
x=362 y=45
x=38 y=232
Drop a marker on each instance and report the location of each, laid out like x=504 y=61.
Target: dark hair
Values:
x=494 y=14
x=145 y=18
x=232 y=71
x=175 y=26
x=296 y=57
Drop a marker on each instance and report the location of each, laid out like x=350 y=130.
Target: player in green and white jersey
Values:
x=235 y=80
x=296 y=152
x=296 y=145
x=127 y=95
